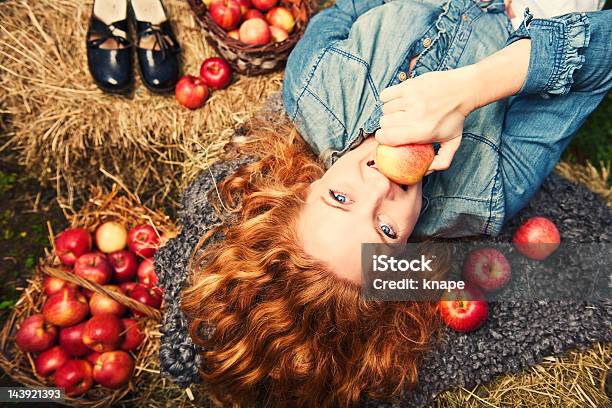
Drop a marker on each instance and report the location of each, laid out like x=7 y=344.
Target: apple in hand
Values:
x=53 y=285
x=405 y=164
x=35 y=335
x=226 y=13
x=217 y=74
x=278 y=34
x=50 y=360
x=537 y=238
x=71 y=244
x=66 y=308
x=103 y=333
x=191 y=92
x=95 y=267
x=75 y=376
x=71 y=340
x=132 y=335
x=111 y=237
x=255 y=32
x=253 y=13
x=146 y=273
x=487 y=268
x=124 y=264
x=113 y=369
x=143 y=239
x=101 y=304
x=464 y=310
x=264 y=5
x=149 y=296
x=282 y=18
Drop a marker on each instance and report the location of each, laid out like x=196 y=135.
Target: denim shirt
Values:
x=357 y=48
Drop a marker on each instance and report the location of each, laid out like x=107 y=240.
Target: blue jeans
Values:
x=538 y=127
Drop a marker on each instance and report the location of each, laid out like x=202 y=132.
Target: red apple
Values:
x=53 y=285
x=132 y=335
x=278 y=34
x=282 y=18
x=128 y=287
x=35 y=335
x=464 y=310
x=113 y=369
x=93 y=357
x=103 y=333
x=75 y=377
x=50 y=360
x=95 y=267
x=226 y=13
x=253 y=13
x=101 y=304
x=264 y=5
x=71 y=340
x=146 y=273
x=71 y=244
x=245 y=5
x=217 y=74
x=537 y=238
x=191 y=92
x=235 y=34
x=124 y=264
x=66 y=308
x=149 y=296
x=405 y=164
x=111 y=237
x=143 y=239
x=487 y=268
x=255 y=32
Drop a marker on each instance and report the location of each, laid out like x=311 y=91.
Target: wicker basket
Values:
x=254 y=59
x=20 y=366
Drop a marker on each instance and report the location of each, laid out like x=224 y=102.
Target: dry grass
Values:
x=577 y=379
x=66 y=130
x=596 y=180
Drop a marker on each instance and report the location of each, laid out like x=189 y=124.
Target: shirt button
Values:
x=426 y=42
x=402 y=76
x=464 y=17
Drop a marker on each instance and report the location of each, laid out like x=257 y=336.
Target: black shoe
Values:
x=158 y=48
x=109 y=50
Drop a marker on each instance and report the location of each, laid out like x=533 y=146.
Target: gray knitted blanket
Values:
x=517 y=335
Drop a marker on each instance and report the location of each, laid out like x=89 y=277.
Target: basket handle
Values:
x=95 y=287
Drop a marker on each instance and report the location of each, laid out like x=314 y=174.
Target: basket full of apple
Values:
x=254 y=36
x=87 y=322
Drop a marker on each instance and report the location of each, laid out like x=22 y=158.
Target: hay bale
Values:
x=65 y=130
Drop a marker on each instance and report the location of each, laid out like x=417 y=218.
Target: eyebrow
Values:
x=382 y=236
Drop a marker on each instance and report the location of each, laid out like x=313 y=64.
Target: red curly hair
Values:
x=286 y=331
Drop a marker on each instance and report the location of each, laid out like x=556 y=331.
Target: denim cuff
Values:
x=555 y=45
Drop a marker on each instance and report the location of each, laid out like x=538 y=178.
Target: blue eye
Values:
x=388 y=231
x=339 y=197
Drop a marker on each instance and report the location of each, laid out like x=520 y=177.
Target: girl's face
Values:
x=353 y=203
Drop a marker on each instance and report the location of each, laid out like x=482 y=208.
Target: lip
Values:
x=372 y=165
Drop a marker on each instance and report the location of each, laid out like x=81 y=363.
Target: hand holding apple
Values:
x=405 y=164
